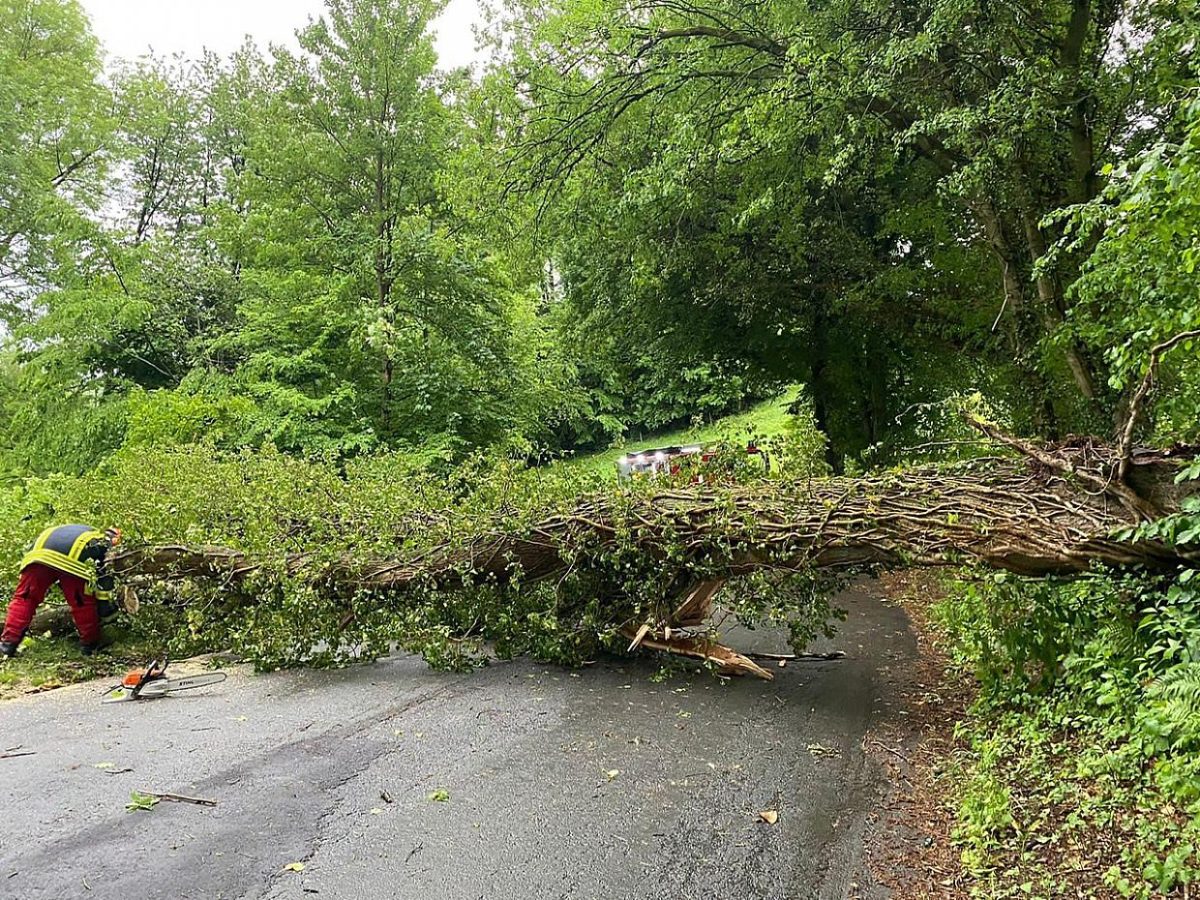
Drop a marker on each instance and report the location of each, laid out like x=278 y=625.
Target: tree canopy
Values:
x=631 y=218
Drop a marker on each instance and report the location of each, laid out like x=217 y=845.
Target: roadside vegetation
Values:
x=335 y=301
x=1080 y=771
x=783 y=423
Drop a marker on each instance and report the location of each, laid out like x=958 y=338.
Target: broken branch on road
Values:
x=179 y=798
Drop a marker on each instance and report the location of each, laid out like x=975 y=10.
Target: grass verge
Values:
x=762 y=421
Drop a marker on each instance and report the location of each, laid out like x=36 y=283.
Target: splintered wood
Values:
x=666 y=636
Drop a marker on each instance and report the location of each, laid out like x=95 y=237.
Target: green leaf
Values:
x=139 y=802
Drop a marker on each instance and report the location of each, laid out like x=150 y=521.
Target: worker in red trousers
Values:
x=73 y=557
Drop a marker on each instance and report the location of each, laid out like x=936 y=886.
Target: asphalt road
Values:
x=562 y=784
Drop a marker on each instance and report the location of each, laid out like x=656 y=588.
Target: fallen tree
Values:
x=656 y=555
x=1007 y=513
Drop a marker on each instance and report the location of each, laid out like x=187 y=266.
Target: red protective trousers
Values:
x=36 y=581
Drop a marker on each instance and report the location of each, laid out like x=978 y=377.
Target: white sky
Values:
x=129 y=28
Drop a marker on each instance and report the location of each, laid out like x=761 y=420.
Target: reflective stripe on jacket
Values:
x=75 y=549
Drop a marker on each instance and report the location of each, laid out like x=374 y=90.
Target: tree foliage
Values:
x=637 y=216
x=803 y=177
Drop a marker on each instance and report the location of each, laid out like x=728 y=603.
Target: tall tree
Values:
x=138 y=288
x=55 y=127
x=1009 y=110
x=368 y=310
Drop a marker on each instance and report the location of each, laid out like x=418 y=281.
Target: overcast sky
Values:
x=128 y=28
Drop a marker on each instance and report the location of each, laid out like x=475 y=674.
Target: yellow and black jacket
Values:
x=78 y=550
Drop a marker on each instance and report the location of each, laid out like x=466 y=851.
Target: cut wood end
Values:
x=639 y=637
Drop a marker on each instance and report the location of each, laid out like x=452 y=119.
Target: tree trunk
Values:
x=383 y=288
x=1017 y=317
x=821 y=390
x=1054 y=310
x=1049 y=514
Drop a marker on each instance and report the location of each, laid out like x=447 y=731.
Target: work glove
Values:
x=108 y=610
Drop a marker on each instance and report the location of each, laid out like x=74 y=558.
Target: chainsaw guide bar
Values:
x=152 y=682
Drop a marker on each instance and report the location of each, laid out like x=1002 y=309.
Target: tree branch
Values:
x=1125 y=439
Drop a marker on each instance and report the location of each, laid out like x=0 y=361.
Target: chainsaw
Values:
x=151 y=683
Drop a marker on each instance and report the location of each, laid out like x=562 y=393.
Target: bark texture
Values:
x=1052 y=511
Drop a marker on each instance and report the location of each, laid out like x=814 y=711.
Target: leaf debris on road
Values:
x=139 y=802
